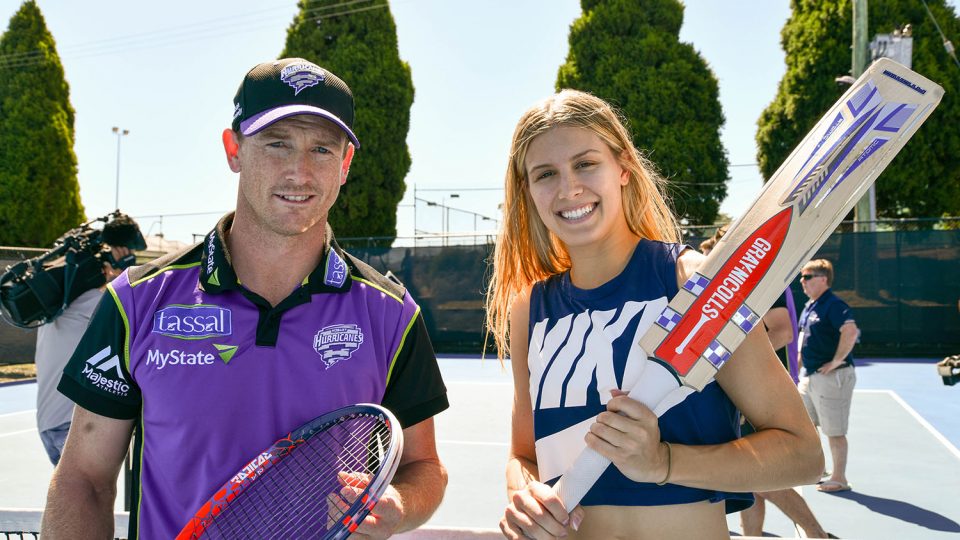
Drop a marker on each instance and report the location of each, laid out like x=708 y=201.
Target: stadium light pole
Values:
x=120 y=133
x=446 y=210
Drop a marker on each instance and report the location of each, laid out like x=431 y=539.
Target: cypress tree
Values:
x=39 y=192
x=924 y=179
x=629 y=53
x=359 y=44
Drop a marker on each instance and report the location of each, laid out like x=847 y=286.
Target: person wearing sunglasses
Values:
x=828 y=333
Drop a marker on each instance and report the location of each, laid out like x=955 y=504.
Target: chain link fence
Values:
x=902 y=281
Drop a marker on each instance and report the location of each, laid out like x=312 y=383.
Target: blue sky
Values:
x=167 y=72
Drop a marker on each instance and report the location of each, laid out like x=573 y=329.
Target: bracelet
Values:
x=669 y=463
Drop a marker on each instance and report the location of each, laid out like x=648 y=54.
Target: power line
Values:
x=209 y=29
x=448 y=190
x=184 y=214
x=951 y=52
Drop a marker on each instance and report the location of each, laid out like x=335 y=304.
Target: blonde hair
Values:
x=526 y=251
x=821 y=266
x=707 y=245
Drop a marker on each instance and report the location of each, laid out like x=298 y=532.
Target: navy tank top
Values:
x=582 y=344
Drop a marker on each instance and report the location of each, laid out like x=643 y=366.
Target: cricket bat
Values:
x=758 y=257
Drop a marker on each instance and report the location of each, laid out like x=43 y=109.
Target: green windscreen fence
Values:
x=904 y=287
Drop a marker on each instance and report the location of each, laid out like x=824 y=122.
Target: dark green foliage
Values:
x=361 y=48
x=629 y=53
x=924 y=179
x=39 y=193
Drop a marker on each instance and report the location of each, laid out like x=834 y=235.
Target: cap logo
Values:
x=237 y=110
x=301 y=75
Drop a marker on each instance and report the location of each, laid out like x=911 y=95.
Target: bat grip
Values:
x=577 y=481
x=654 y=385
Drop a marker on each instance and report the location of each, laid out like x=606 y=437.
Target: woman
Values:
x=586 y=260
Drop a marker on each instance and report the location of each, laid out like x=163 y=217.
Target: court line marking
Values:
x=18 y=412
x=22 y=431
x=480 y=383
x=920 y=420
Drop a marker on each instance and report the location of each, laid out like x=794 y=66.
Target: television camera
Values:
x=35 y=291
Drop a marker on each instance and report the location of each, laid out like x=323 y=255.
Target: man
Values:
x=828 y=334
x=212 y=354
x=57 y=339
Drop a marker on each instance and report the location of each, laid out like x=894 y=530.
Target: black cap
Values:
x=277 y=89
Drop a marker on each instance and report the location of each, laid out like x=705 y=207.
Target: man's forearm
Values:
x=847 y=340
x=421 y=485
x=76 y=510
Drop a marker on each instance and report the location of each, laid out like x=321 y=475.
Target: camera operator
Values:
x=57 y=339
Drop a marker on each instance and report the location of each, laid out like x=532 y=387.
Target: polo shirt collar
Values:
x=217 y=274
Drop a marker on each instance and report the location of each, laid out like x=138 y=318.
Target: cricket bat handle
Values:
x=654 y=386
x=573 y=486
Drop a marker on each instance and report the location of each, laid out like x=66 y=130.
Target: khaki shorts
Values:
x=828 y=397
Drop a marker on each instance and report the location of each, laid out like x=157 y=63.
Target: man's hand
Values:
x=848 y=338
x=830 y=366
x=628 y=434
x=382 y=521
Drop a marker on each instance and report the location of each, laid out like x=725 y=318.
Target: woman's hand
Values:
x=537 y=512
x=628 y=434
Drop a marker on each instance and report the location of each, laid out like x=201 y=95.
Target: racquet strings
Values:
x=300 y=496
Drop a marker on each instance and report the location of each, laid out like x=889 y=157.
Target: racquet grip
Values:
x=577 y=481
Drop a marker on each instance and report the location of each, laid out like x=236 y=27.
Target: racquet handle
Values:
x=656 y=383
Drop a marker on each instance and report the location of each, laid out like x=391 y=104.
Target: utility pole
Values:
x=865 y=213
x=120 y=133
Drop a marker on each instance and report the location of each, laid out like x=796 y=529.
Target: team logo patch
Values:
x=103 y=371
x=337 y=342
x=193 y=322
x=301 y=76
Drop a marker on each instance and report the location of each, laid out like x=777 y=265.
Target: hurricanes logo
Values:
x=105 y=373
x=301 y=76
x=337 y=342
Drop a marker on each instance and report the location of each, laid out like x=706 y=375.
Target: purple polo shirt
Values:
x=213 y=374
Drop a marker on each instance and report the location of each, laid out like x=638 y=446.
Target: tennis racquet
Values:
x=319 y=481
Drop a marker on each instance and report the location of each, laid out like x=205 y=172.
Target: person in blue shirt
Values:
x=586 y=259
x=828 y=333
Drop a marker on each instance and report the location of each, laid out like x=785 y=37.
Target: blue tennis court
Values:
x=904 y=462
